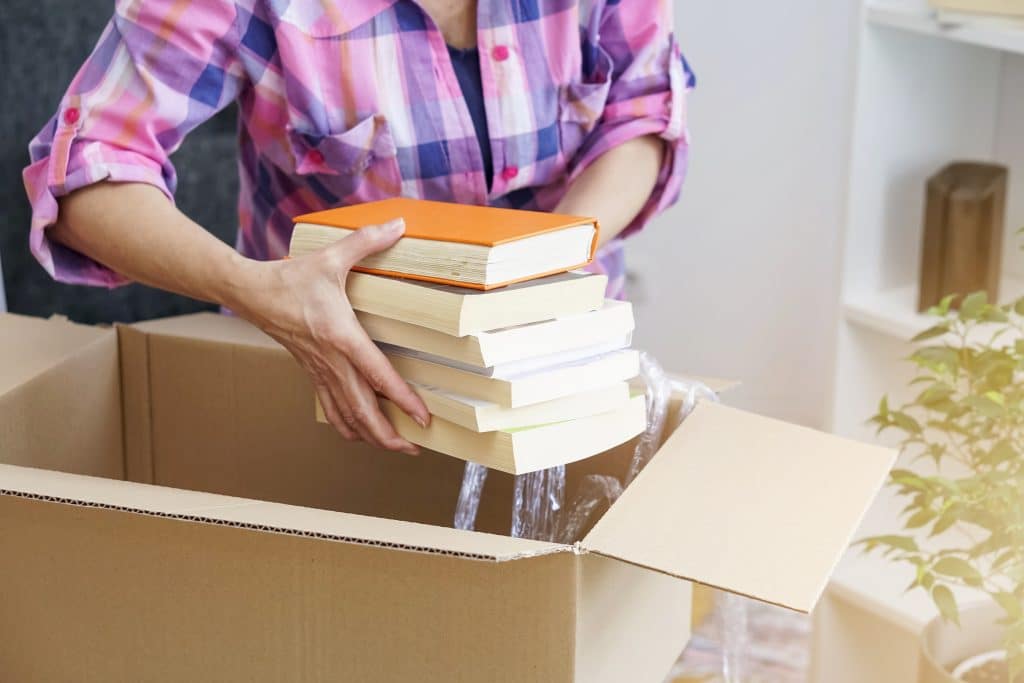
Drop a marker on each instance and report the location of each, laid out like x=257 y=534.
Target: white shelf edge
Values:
x=984 y=32
x=893 y=312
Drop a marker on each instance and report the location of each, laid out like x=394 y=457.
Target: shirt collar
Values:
x=323 y=18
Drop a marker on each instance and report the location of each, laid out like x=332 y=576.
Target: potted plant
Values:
x=968 y=418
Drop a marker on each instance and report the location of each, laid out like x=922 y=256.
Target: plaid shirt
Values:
x=355 y=100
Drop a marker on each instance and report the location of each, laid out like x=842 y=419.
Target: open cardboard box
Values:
x=170 y=510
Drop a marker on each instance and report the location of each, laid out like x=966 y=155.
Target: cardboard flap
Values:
x=32 y=346
x=745 y=504
x=209 y=327
x=194 y=506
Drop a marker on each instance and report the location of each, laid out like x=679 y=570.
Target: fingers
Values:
x=366 y=415
x=331 y=412
x=384 y=379
x=366 y=242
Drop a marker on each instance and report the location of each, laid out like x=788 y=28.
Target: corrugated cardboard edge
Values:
x=233 y=517
x=135 y=404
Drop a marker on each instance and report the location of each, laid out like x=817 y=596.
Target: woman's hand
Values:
x=302 y=304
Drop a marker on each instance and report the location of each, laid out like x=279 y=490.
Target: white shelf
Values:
x=993 y=33
x=893 y=312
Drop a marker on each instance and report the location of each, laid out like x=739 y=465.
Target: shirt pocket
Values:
x=357 y=165
x=581 y=103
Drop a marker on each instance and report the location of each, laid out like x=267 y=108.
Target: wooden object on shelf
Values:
x=992 y=7
x=963 y=232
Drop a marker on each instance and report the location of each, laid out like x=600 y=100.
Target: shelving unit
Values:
x=996 y=34
x=893 y=312
x=928 y=93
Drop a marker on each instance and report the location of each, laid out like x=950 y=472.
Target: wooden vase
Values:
x=962 y=249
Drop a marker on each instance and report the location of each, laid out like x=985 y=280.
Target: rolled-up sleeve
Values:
x=160 y=68
x=650 y=82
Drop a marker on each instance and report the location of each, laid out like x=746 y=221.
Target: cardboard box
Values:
x=170 y=510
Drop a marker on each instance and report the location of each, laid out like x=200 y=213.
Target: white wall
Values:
x=740 y=279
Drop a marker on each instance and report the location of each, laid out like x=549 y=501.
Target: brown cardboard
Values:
x=274 y=550
x=46 y=368
x=746 y=504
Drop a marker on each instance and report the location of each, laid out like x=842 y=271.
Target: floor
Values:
x=778 y=652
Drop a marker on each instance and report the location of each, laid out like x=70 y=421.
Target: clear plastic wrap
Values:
x=734 y=633
x=473 y=479
x=657 y=391
x=539 y=510
x=597 y=492
x=536 y=503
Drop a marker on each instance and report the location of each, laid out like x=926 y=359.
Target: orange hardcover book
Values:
x=479 y=247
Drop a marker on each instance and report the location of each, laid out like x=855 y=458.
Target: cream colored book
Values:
x=484 y=416
x=528 y=449
x=514 y=391
x=458 y=311
x=487 y=349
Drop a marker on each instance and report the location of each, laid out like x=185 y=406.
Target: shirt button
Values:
x=500 y=53
x=510 y=172
x=71 y=115
x=316 y=157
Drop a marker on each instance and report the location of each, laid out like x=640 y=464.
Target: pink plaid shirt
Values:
x=354 y=100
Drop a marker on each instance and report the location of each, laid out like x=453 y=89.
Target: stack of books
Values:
x=520 y=359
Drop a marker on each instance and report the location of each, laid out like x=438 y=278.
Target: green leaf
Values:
x=996 y=398
x=937 y=393
x=932 y=332
x=944 y=600
x=920 y=518
x=985 y=406
x=1002 y=452
x=973 y=305
x=883 y=407
x=995 y=315
x=905 y=543
x=958 y=567
x=905 y=422
x=936 y=357
x=1018 y=306
x=942 y=308
x=1010 y=604
x=948 y=519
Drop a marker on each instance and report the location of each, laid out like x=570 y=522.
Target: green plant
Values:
x=967 y=417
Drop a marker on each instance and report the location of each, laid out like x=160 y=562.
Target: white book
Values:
x=612 y=322
x=484 y=416
x=513 y=391
x=519 y=367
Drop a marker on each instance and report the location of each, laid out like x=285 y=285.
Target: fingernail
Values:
x=422 y=422
x=396 y=225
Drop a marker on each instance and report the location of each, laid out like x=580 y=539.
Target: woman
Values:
x=565 y=105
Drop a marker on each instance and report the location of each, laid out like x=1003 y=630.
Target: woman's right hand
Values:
x=301 y=303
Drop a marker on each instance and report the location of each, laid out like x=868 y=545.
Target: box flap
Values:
x=33 y=345
x=745 y=504
x=261 y=516
x=209 y=327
